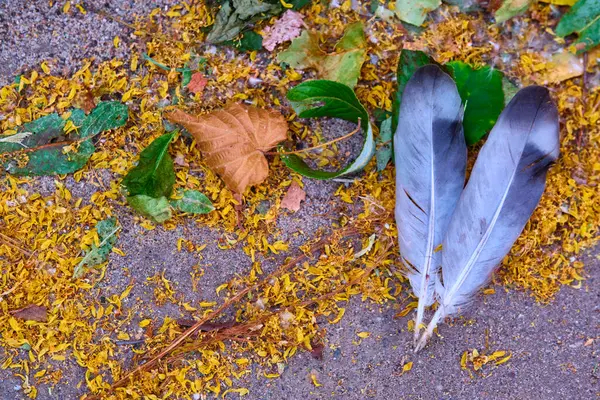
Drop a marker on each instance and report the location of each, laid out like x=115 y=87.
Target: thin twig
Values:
x=189 y=332
x=233 y=333
x=11 y=242
x=317 y=146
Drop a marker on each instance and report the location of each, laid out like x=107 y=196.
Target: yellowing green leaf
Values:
x=510 y=8
x=343 y=65
x=415 y=11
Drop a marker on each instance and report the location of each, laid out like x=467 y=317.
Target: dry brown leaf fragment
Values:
x=292 y=198
x=563 y=66
x=32 y=312
x=234 y=140
x=197 y=83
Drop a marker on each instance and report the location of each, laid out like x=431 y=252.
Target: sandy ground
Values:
x=552 y=357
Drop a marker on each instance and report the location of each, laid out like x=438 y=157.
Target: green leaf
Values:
x=49 y=152
x=342 y=66
x=408 y=62
x=510 y=8
x=51 y=159
x=584 y=19
x=186 y=77
x=193 y=202
x=509 y=89
x=236 y=15
x=415 y=11
x=322 y=98
x=98 y=254
x=105 y=116
x=481 y=91
x=384 y=144
x=249 y=41
x=154 y=175
x=157 y=209
x=33 y=134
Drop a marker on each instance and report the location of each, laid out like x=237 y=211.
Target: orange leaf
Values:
x=292 y=198
x=197 y=83
x=233 y=141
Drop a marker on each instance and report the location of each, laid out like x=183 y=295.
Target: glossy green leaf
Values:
x=408 y=62
x=98 y=254
x=481 y=92
x=154 y=175
x=384 y=144
x=321 y=98
x=583 y=18
x=193 y=202
x=157 y=209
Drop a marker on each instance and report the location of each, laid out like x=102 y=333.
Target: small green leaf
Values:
x=384 y=144
x=481 y=91
x=583 y=18
x=249 y=41
x=186 y=77
x=157 y=209
x=98 y=254
x=509 y=89
x=236 y=15
x=321 y=98
x=154 y=175
x=415 y=11
x=193 y=202
x=105 y=116
x=408 y=62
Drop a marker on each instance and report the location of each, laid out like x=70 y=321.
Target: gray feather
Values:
x=505 y=186
x=430 y=155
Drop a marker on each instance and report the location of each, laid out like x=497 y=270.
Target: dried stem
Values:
x=319 y=145
x=190 y=331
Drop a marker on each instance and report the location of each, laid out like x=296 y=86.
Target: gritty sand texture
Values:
x=551 y=354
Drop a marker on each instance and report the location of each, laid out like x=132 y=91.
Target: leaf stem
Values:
x=319 y=145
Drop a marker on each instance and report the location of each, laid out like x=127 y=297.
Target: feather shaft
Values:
x=506 y=185
x=430 y=154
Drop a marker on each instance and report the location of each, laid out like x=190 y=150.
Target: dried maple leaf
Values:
x=233 y=141
x=292 y=198
x=197 y=83
x=286 y=28
x=32 y=312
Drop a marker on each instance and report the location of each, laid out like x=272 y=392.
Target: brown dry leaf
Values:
x=32 y=312
x=292 y=198
x=233 y=141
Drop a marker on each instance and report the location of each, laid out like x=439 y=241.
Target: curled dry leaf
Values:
x=32 y=312
x=292 y=198
x=233 y=141
x=286 y=28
